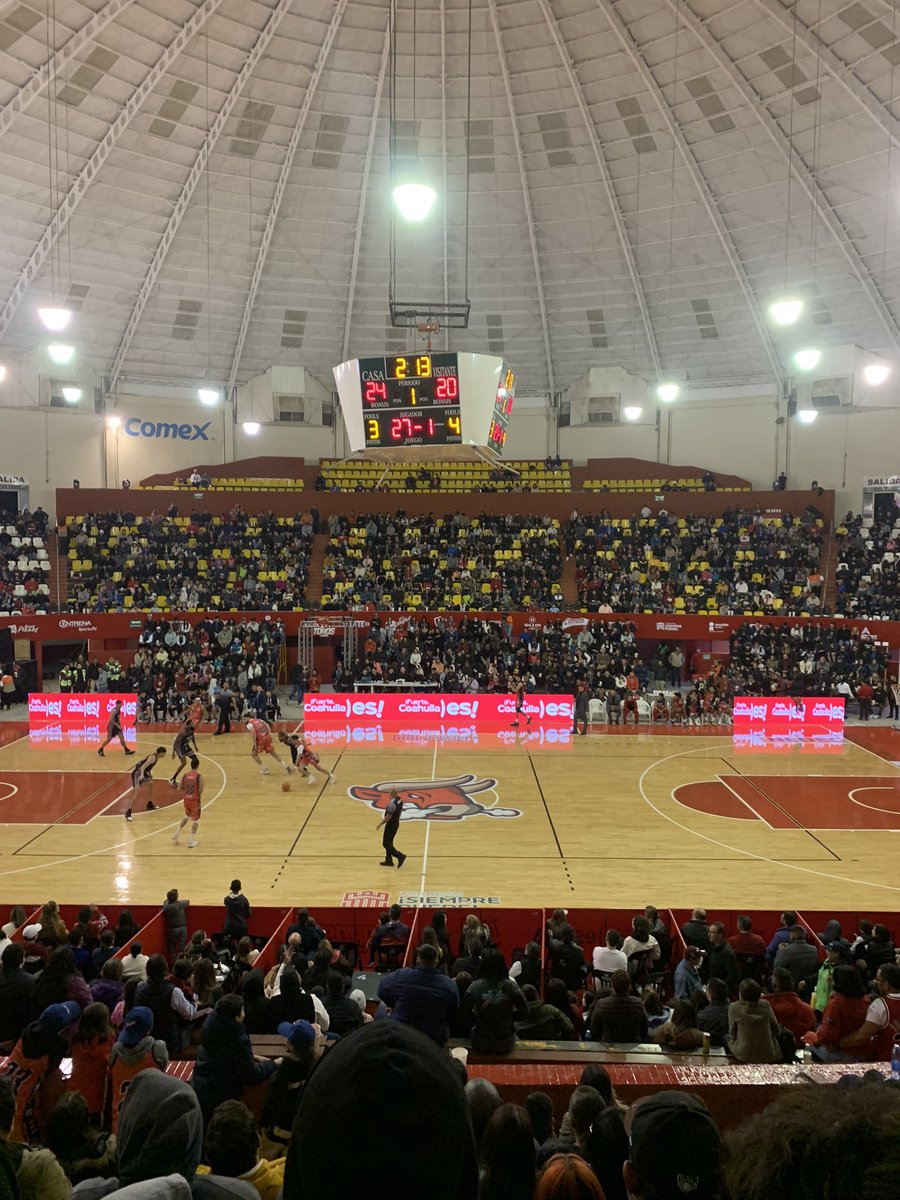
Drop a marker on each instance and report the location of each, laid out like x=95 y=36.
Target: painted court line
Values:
x=59 y=862
x=738 y=849
x=428 y=824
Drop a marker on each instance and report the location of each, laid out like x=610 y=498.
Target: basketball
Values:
x=286 y=787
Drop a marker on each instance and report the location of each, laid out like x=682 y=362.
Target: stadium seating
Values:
x=25 y=565
x=653 y=485
x=868 y=568
x=195 y=563
x=738 y=563
x=420 y=563
x=447 y=477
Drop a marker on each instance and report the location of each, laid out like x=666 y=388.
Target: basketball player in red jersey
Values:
x=261 y=743
x=195 y=712
x=191 y=795
x=305 y=760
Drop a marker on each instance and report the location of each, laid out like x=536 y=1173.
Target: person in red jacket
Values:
x=745 y=942
x=844 y=1015
x=790 y=1011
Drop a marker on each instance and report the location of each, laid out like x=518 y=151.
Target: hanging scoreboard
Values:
x=427 y=400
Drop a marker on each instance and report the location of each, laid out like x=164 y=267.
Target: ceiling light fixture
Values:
x=414 y=200
x=2 y=372
x=208 y=396
x=251 y=427
x=113 y=422
x=72 y=395
x=807 y=359
x=668 y=392
x=631 y=412
x=806 y=416
x=55 y=319
x=61 y=353
x=786 y=311
x=876 y=373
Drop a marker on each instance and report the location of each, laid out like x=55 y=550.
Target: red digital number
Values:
x=446 y=388
x=509 y=403
x=375 y=391
x=430 y=428
x=401 y=427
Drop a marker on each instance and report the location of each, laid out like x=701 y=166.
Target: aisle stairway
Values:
x=59 y=575
x=829 y=561
x=316 y=559
x=567 y=582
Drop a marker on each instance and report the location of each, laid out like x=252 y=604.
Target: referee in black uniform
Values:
x=391 y=823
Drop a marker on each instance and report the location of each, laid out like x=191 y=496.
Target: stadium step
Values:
x=316 y=561
x=567 y=582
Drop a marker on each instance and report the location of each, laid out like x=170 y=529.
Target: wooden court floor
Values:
x=621 y=819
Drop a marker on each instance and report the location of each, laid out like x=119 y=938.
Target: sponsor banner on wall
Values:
x=424 y=708
x=80 y=710
x=789 y=716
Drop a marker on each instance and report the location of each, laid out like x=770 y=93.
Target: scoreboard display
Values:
x=412 y=402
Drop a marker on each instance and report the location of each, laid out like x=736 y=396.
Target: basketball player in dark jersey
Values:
x=114 y=729
x=519 y=690
x=183 y=747
x=141 y=776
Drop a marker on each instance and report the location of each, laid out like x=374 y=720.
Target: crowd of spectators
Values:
x=868 y=567
x=25 y=563
x=399 y=561
x=177 y=663
x=739 y=562
x=333 y=1073
x=478 y=655
x=197 y=562
x=813 y=660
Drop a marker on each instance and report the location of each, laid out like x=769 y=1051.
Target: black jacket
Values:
x=237 y=913
x=15 y=994
x=225 y=1063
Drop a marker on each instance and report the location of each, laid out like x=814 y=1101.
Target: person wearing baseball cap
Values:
x=35 y=1060
x=674 y=1149
x=36 y=954
x=135 y=1050
x=290 y=1076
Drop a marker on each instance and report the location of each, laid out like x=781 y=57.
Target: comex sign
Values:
x=135 y=427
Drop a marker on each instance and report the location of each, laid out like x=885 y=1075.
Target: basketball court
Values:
x=521 y=819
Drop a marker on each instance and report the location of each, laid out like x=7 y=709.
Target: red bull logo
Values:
x=436 y=799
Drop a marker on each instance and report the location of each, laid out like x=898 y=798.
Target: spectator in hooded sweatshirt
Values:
x=16 y=986
x=237 y=912
x=159 y=1144
x=226 y=1064
x=341 y=1119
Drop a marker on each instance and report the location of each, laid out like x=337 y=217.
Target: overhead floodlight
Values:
x=208 y=396
x=806 y=416
x=55 y=319
x=251 y=427
x=414 y=200
x=786 y=311
x=876 y=373
x=668 y=392
x=807 y=359
x=631 y=412
x=2 y=372
x=60 y=353
x=113 y=422
x=72 y=395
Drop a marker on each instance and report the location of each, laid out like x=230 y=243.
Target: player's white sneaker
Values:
x=175 y=838
x=331 y=779
x=192 y=842
x=310 y=779
x=263 y=770
x=173 y=783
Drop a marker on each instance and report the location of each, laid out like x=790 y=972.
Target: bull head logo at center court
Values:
x=435 y=799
